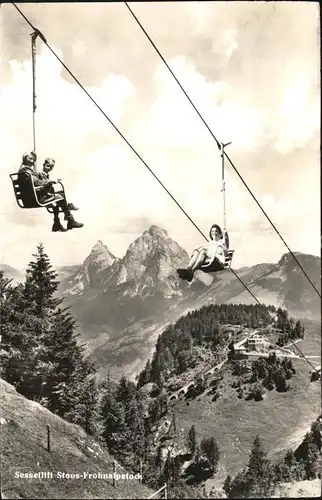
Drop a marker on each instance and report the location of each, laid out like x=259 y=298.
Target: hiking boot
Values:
x=185 y=274
x=57 y=226
x=72 y=224
x=71 y=206
x=189 y=275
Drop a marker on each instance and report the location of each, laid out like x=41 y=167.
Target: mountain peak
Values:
x=99 y=244
x=156 y=231
x=288 y=259
x=149 y=241
x=99 y=249
x=149 y=265
x=90 y=273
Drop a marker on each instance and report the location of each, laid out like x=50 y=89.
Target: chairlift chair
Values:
x=215 y=265
x=26 y=193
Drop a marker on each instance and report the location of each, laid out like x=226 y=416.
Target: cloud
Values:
x=240 y=75
x=215 y=102
x=299 y=118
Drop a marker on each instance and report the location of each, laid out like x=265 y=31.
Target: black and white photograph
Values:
x=160 y=252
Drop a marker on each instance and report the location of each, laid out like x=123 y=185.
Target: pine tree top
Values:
x=41 y=283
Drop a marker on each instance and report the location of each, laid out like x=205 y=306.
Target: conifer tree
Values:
x=167 y=467
x=154 y=410
x=168 y=359
x=232 y=352
x=125 y=390
x=113 y=417
x=240 y=486
x=259 y=472
x=313 y=462
x=210 y=449
x=158 y=459
x=282 y=319
x=56 y=373
x=41 y=284
x=64 y=356
x=227 y=484
x=13 y=338
x=197 y=453
x=68 y=385
x=83 y=397
x=39 y=304
x=316 y=434
x=174 y=423
x=19 y=344
x=145 y=375
x=6 y=329
x=290 y=462
x=257 y=458
x=175 y=469
x=192 y=440
x=299 y=330
x=135 y=429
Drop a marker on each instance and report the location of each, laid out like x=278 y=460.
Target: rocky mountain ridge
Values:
x=122 y=304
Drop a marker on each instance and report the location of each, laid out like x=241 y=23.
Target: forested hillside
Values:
x=41 y=357
x=210 y=329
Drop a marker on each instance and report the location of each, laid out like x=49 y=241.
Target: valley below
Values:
x=135 y=318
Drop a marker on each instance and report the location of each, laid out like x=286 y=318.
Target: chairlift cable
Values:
x=34 y=107
x=219 y=147
x=223 y=188
x=131 y=147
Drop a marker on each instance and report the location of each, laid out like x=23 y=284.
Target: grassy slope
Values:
x=23 y=448
x=235 y=423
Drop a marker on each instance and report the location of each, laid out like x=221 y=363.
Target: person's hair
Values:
x=49 y=161
x=218 y=229
x=27 y=155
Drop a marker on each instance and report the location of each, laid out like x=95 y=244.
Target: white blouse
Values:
x=215 y=249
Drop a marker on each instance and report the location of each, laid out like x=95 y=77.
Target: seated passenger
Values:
x=41 y=179
x=212 y=253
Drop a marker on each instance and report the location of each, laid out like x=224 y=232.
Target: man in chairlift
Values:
x=212 y=253
x=47 y=191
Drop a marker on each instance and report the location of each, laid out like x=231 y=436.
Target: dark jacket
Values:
x=39 y=178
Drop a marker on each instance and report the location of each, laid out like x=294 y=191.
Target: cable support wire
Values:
x=219 y=147
x=41 y=36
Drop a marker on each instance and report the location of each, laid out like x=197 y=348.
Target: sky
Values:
x=252 y=70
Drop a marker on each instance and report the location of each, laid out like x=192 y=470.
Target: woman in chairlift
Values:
x=211 y=254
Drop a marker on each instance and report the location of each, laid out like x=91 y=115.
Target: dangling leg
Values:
x=57 y=226
x=71 y=206
x=71 y=223
x=193 y=259
x=196 y=261
x=199 y=261
x=64 y=203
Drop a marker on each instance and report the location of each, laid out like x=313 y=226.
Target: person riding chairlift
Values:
x=47 y=191
x=211 y=253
